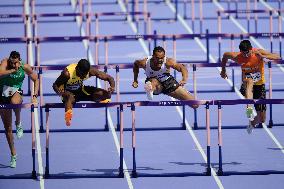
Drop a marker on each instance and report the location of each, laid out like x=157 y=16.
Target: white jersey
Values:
x=161 y=75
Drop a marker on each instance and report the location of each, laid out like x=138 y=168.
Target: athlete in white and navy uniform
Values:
x=167 y=81
x=157 y=70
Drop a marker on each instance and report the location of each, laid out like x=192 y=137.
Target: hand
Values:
x=135 y=84
x=34 y=100
x=223 y=74
x=12 y=71
x=182 y=83
x=111 y=89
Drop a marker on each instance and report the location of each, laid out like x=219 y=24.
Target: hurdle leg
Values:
x=33 y=142
x=220 y=170
x=183 y=118
x=121 y=173
x=106 y=115
x=134 y=173
x=208 y=169
x=46 y=174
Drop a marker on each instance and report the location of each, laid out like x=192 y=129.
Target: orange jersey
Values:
x=251 y=65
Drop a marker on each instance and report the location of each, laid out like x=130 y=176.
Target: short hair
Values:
x=159 y=49
x=245 y=45
x=15 y=55
x=84 y=65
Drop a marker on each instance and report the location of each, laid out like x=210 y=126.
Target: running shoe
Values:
x=19 y=130
x=250 y=113
x=106 y=100
x=149 y=90
x=68 y=117
x=13 y=161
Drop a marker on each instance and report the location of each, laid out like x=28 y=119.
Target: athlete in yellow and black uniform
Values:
x=253 y=80
x=69 y=85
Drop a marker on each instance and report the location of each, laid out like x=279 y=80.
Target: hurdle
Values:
x=219 y=103
x=49 y=106
x=248 y=12
x=207 y=103
x=233 y=88
x=24 y=18
x=32 y=107
x=98 y=18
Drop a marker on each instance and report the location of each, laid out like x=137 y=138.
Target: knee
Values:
x=69 y=97
x=8 y=126
x=16 y=100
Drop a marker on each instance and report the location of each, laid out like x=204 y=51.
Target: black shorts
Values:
x=259 y=92
x=7 y=100
x=170 y=85
x=83 y=94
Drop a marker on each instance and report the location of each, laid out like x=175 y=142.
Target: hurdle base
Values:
x=34 y=175
x=183 y=127
x=208 y=171
x=46 y=174
x=106 y=128
x=118 y=127
x=134 y=174
x=270 y=125
x=121 y=173
x=220 y=172
x=195 y=126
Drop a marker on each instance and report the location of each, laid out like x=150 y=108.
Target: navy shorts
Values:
x=7 y=100
x=83 y=95
x=170 y=85
x=259 y=92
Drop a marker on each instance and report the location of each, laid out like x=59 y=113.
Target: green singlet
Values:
x=13 y=80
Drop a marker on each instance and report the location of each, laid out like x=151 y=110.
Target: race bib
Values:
x=162 y=77
x=9 y=91
x=73 y=87
x=255 y=76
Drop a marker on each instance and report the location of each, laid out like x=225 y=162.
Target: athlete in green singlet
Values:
x=12 y=74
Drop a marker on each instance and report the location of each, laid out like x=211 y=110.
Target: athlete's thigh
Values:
x=90 y=93
x=181 y=94
x=156 y=85
x=16 y=98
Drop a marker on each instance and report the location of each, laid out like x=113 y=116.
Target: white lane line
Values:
x=244 y=31
x=270 y=8
x=218 y=181
x=38 y=144
x=112 y=128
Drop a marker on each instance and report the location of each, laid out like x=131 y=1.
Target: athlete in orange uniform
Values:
x=69 y=85
x=253 y=80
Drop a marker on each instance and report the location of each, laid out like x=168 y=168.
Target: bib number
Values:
x=255 y=76
x=9 y=91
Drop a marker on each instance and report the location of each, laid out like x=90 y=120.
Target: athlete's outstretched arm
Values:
x=137 y=64
x=226 y=56
x=180 y=68
x=265 y=54
x=103 y=76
